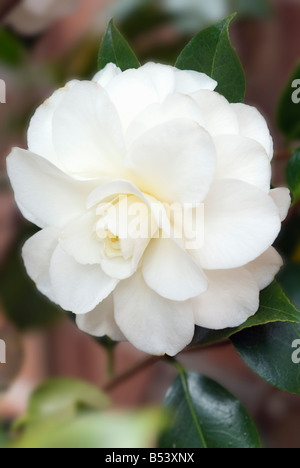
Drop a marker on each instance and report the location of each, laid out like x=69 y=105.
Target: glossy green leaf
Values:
x=268 y=350
x=293 y=174
x=274 y=307
x=115 y=49
x=21 y=300
x=289 y=279
x=288 y=113
x=211 y=52
x=95 y=430
x=205 y=415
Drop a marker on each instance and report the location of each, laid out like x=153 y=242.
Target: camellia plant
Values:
x=151 y=185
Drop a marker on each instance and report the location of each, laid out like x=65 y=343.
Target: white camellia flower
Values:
x=118 y=151
x=33 y=16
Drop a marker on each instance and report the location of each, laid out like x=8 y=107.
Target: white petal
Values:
x=231 y=298
x=151 y=323
x=219 y=117
x=134 y=90
x=87 y=132
x=171 y=272
x=253 y=125
x=190 y=81
x=175 y=106
x=105 y=76
x=282 y=199
x=37 y=253
x=80 y=241
x=265 y=268
x=174 y=162
x=40 y=132
x=101 y=321
x=242 y=159
x=78 y=288
x=241 y=222
x=50 y=196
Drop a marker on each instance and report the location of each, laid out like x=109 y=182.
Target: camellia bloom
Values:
x=33 y=16
x=123 y=150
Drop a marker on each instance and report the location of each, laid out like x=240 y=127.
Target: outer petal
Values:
x=87 y=132
x=242 y=159
x=47 y=194
x=253 y=125
x=40 y=132
x=174 y=162
x=189 y=81
x=241 y=222
x=232 y=297
x=219 y=117
x=265 y=268
x=78 y=288
x=134 y=90
x=101 y=321
x=105 y=76
x=151 y=323
x=37 y=253
x=282 y=198
x=171 y=272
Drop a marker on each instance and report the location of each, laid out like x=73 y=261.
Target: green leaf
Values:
x=288 y=112
x=22 y=302
x=115 y=49
x=95 y=430
x=274 y=307
x=11 y=49
x=63 y=396
x=205 y=415
x=268 y=351
x=211 y=52
x=293 y=175
x=289 y=279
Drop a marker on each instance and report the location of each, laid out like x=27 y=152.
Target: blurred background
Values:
x=43 y=44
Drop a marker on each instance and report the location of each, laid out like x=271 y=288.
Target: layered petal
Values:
x=265 y=268
x=40 y=132
x=243 y=159
x=231 y=298
x=282 y=199
x=219 y=117
x=241 y=222
x=151 y=323
x=175 y=106
x=37 y=253
x=78 y=288
x=105 y=76
x=45 y=194
x=253 y=125
x=87 y=132
x=190 y=81
x=79 y=239
x=101 y=321
x=171 y=272
x=174 y=162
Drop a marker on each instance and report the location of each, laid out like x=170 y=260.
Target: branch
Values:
x=7 y=6
x=150 y=361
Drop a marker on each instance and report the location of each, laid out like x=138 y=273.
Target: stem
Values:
x=150 y=361
x=110 y=352
x=7 y=7
x=139 y=367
